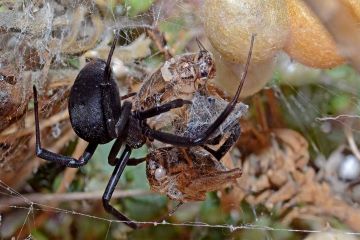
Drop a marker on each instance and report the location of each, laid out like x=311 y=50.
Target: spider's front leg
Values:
x=229 y=142
x=110 y=100
x=201 y=138
x=57 y=158
x=152 y=112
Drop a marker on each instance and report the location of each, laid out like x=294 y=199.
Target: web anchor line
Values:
x=33 y=206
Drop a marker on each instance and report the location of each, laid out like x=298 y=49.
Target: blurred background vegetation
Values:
x=295 y=97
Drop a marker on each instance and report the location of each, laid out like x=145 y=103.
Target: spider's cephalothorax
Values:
x=98 y=116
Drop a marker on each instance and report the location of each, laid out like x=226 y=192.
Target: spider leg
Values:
x=135 y=161
x=54 y=157
x=114 y=179
x=116 y=130
x=112 y=160
x=215 y=140
x=229 y=142
x=105 y=92
x=173 y=139
x=123 y=120
x=162 y=108
x=202 y=137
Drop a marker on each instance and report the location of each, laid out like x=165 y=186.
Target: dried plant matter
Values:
x=307 y=36
x=280 y=177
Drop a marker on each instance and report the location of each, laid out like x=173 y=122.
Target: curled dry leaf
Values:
x=309 y=42
x=13 y=101
x=341 y=19
x=353 y=6
x=271 y=168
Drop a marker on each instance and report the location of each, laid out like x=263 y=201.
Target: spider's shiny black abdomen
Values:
x=85 y=103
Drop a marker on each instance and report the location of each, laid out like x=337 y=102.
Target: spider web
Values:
x=38 y=47
x=31 y=207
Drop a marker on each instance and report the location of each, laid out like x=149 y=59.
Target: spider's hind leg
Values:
x=114 y=179
x=53 y=157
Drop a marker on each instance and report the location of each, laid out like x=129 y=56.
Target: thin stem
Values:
x=66 y=197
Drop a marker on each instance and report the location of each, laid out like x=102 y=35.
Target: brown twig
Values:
x=350 y=138
x=260 y=113
x=70 y=173
x=275 y=120
x=39 y=198
x=14 y=132
x=160 y=42
x=341 y=117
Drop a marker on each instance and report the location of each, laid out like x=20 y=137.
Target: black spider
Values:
x=97 y=116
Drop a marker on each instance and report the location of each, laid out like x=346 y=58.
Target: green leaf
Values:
x=137 y=6
x=74 y=62
x=340 y=102
x=36 y=234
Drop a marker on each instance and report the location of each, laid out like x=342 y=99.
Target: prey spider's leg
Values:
x=201 y=138
x=200 y=45
x=163 y=218
x=114 y=179
x=172 y=211
x=162 y=108
x=53 y=157
x=129 y=95
x=229 y=142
